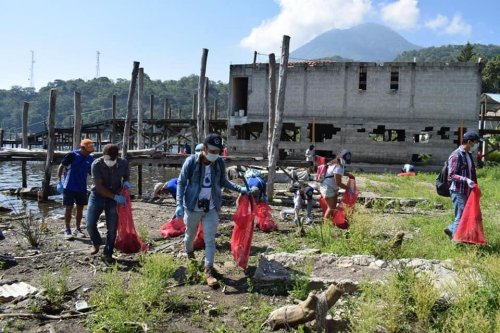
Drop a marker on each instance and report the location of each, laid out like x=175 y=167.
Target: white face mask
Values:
x=475 y=147
x=110 y=163
x=212 y=157
x=342 y=162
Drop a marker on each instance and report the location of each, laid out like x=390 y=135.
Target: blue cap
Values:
x=471 y=136
x=215 y=140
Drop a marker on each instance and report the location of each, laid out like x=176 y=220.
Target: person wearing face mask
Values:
x=461 y=176
x=332 y=181
x=110 y=173
x=72 y=174
x=199 y=198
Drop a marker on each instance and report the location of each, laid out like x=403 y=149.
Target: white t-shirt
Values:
x=310 y=155
x=206 y=188
x=331 y=171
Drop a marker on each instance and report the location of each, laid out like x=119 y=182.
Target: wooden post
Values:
x=280 y=109
x=51 y=120
x=313 y=132
x=152 y=116
x=140 y=109
x=165 y=109
x=201 y=84
x=139 y=179
x=271 y=101
x=254 y=58
x=128 y=117
x=113 y=117
x=216 y=109
x=206 y=112
x=24 y=141
x=77 y=124
x=1 y=137
x=194 y=117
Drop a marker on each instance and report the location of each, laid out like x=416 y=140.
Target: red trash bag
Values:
x=470 y=228
x=338 y=215
x=264 y=217
x=350 y=196
x=173 y=228
x=320 y=160
x=199 y=241
x=127 y=240
x=241 y=239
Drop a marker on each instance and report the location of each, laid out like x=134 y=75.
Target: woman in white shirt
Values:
x=332 y=181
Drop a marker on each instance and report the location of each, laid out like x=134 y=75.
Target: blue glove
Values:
x=179 y=211
x=120 y=199
x=60 y=187
x=470 y=183
x=244 y=190
x=126 y=184
x=265 y=198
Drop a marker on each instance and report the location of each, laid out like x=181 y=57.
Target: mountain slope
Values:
x=447 y=53
x=365 y=42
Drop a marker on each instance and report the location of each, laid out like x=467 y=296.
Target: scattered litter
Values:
x=81 y=305
x=10 y=291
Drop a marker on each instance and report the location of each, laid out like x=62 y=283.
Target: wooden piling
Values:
x=1 y=137
x=216 y=109
x=128 y=117
x=139 y=179
x=151 y=117
x=24 y=142
x=271 y=101
x=280 y=108
x=112 y=139
x=201 y=85
x=51 y=120
x=165 y=109
x=254 y=58
x=140 y=109
x=194 y=117
x=77 y=125
x=206 y=113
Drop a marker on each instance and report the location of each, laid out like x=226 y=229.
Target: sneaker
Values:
x=78 y=233
x=210 y=274
x=108 y=259
x=309 y=220
x=94 y=249
x=282 y=215
x=448 y=233
x=68 y=235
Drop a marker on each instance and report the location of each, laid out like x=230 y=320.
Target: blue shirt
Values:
x=77 y=167
x=171 y=187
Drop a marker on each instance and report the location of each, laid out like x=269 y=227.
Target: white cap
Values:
x=157 y=189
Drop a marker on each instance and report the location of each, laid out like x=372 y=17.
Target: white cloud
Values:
x=402 y=14
x=437 y=23
x=455 y=26
x=303 y=20
x=458 y=26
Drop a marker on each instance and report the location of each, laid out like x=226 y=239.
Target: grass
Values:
x=56 y=286
x=127 y=304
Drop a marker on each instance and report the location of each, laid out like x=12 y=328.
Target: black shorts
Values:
x=70 y=198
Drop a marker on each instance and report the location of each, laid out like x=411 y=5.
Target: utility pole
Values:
x=32 y=70
x=97 y=69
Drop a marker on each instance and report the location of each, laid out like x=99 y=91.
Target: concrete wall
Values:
x=430 y=97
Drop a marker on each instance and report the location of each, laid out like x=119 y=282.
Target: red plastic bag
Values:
x=350 y=195
x=127 y=240
x=264 y=217
x=199 y=241
x=320 y=160
x=470 y=228
x=241 y=239
x=173 y=228
x=338 y=215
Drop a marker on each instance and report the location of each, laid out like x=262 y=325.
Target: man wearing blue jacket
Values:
x=199 y=197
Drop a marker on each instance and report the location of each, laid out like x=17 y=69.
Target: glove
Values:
x=120 y=199
x=470 y=183
x=244 y=190
x=179 y=211
x=265 y=199
x=60 y=187
x=126 y=184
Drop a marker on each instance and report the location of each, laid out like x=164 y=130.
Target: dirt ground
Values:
x=56 y=254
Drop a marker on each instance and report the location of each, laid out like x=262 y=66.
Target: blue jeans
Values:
x=98 y=204
x=459 y=201
x=209 y=222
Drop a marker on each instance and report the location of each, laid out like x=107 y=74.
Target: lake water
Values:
x=11 y=178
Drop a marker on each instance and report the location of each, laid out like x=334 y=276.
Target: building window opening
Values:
x=394 y=78
x=423 y=137
x=290 y=132
x=381 y=134
x=322 y=132
x=240 y=96
x=250 y=131
x=362 y=78
x=444 y=132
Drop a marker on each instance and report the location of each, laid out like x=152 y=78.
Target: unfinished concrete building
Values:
x=384 y=113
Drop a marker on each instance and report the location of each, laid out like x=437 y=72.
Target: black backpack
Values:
x=442 y=187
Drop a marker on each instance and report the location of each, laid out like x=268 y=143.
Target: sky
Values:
x=167 y=36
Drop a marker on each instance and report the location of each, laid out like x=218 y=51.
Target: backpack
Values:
x=442 y=186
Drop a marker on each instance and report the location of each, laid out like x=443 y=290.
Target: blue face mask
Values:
x=212 y=157
x=475 y=147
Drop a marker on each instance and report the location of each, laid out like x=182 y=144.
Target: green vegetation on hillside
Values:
x=96 y=96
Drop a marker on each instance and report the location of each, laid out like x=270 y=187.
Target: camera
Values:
x=204 y=204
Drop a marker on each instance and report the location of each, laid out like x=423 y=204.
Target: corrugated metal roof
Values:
x=495 y=97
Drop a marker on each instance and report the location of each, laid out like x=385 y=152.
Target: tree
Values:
x=491 y=76
x=467 y=54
